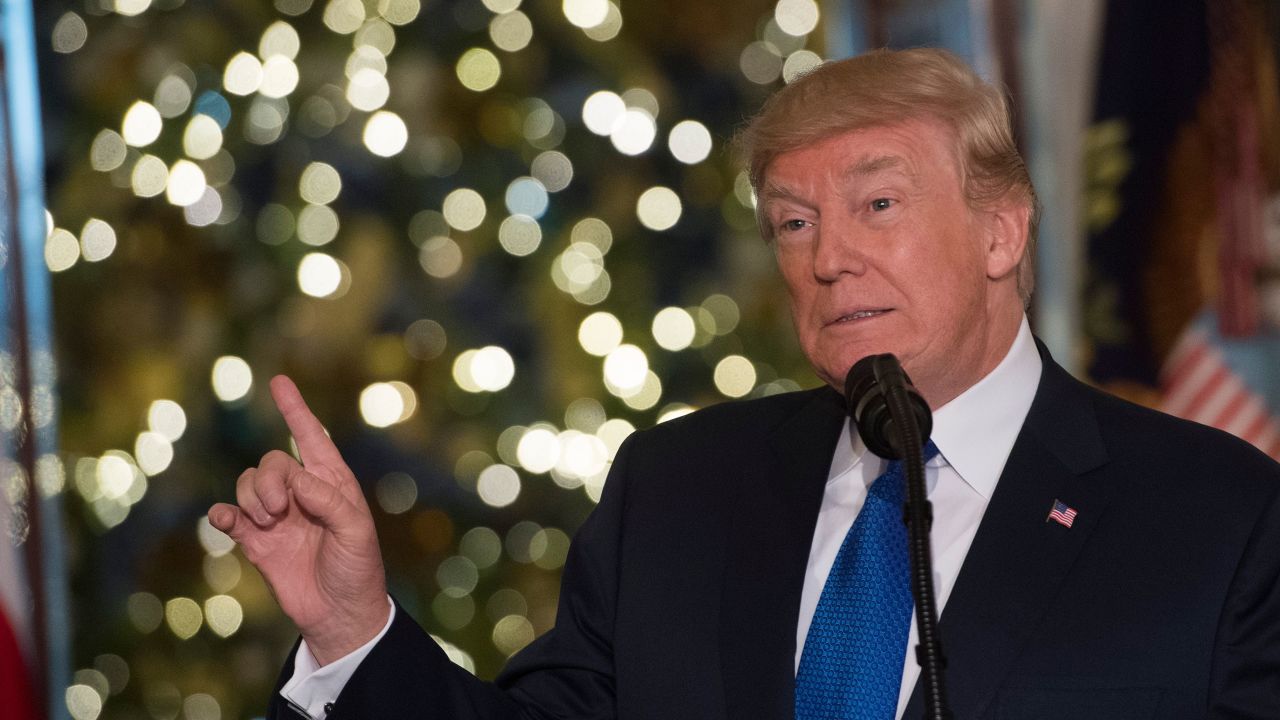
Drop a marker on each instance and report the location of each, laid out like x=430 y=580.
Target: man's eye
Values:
x=880 y=204
x=793 y=225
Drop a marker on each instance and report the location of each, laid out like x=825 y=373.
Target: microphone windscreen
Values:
x=866 y=390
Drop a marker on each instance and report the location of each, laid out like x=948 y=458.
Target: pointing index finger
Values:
x=314 y=445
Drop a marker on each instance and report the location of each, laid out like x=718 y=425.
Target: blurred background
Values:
x=489 y=239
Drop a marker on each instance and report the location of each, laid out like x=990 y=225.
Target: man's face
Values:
x=881 y=253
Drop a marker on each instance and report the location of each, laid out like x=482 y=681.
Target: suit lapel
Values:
x=1018 y=560
x=769 y=538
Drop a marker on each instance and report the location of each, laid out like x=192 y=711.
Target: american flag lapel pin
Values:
x=1061 y=513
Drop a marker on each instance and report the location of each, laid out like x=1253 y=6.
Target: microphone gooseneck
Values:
x=894 y=422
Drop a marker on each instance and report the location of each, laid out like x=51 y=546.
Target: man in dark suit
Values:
x=1093 y=559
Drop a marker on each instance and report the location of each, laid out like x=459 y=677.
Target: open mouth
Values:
x=860 y=315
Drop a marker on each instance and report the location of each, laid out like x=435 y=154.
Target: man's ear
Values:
x=1006 y=237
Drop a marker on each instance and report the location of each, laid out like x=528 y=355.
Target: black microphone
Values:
x=867 y=389
x=895 y=422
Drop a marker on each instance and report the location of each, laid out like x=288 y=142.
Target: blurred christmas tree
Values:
x=488 y=239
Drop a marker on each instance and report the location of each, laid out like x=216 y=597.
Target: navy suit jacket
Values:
x=681 y=593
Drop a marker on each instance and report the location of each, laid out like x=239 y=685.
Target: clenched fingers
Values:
x=248 y=500
x=227 y=518
x=271 y=481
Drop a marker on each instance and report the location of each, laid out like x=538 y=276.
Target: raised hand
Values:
x=308 y=530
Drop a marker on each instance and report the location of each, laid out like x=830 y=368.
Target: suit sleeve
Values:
x=1245 y=681
x=566 y=673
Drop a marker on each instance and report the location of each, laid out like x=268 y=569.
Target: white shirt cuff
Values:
x=312 y=687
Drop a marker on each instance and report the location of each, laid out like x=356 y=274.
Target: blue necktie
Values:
x=851 y=667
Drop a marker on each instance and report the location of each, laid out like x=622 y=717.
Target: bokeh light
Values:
x=464 y=209
x=150 y=176
x=243 y=74
x=799 y=63
x=689 y=142
x=108 y=151
x=539 y=450
x=368 y=90
x=760 y=63
x=319 y=275
x=317 y=225
x=223 y=614
x=492 y=368
x=498 y=485
x=61 y=250
x=142 y=124
x=673 y=328
x=399 y=12
x=167 y=418
x=600 y=333
x=511 y=31
x=130 y=8
x=70 y=33
x=440 y=257
x=526 y=196
x=659 y=208
x=202 y=138
x=186 y=183
x=513 y=632
x=201 y=706
x=396 y=493
x=634 y=132
x=344 y=16
x=83 y=702
x=608 y=28
x=184 y=617
x=97 y=240
x=585 y=13
x=735 y=376
x=796 y=17
x=319 y=183
x=520 y=235
x=279 y=77
x=625 y=367
x=174 y=92
x=602 y=111
x=280 y=38
x=231 y=378
x=478 y=69
x=385 y=134
x=553 y=169
x=384 y=404
x=154 y=452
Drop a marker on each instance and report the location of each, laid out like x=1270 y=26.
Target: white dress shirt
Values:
x=974 y=433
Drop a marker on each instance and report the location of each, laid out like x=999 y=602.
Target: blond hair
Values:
x=885 y=87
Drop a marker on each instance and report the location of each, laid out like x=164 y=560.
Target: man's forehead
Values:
x=864 y=165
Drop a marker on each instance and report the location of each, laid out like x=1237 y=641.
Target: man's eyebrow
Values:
x=873 y=165
x=773 y=191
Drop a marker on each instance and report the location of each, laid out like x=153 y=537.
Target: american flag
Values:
x=1200 y=385
x=1061 y=514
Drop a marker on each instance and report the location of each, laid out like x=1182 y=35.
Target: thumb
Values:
x=228 y=519
x=323 y=501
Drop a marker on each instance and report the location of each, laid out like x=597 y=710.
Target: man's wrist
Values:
x=314 y=688
x=329 y=644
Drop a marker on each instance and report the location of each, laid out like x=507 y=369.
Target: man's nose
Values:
x=837 y=252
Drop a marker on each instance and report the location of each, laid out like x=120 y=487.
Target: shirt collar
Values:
x=974 y=432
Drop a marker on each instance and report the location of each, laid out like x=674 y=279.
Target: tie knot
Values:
x=891 y=485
